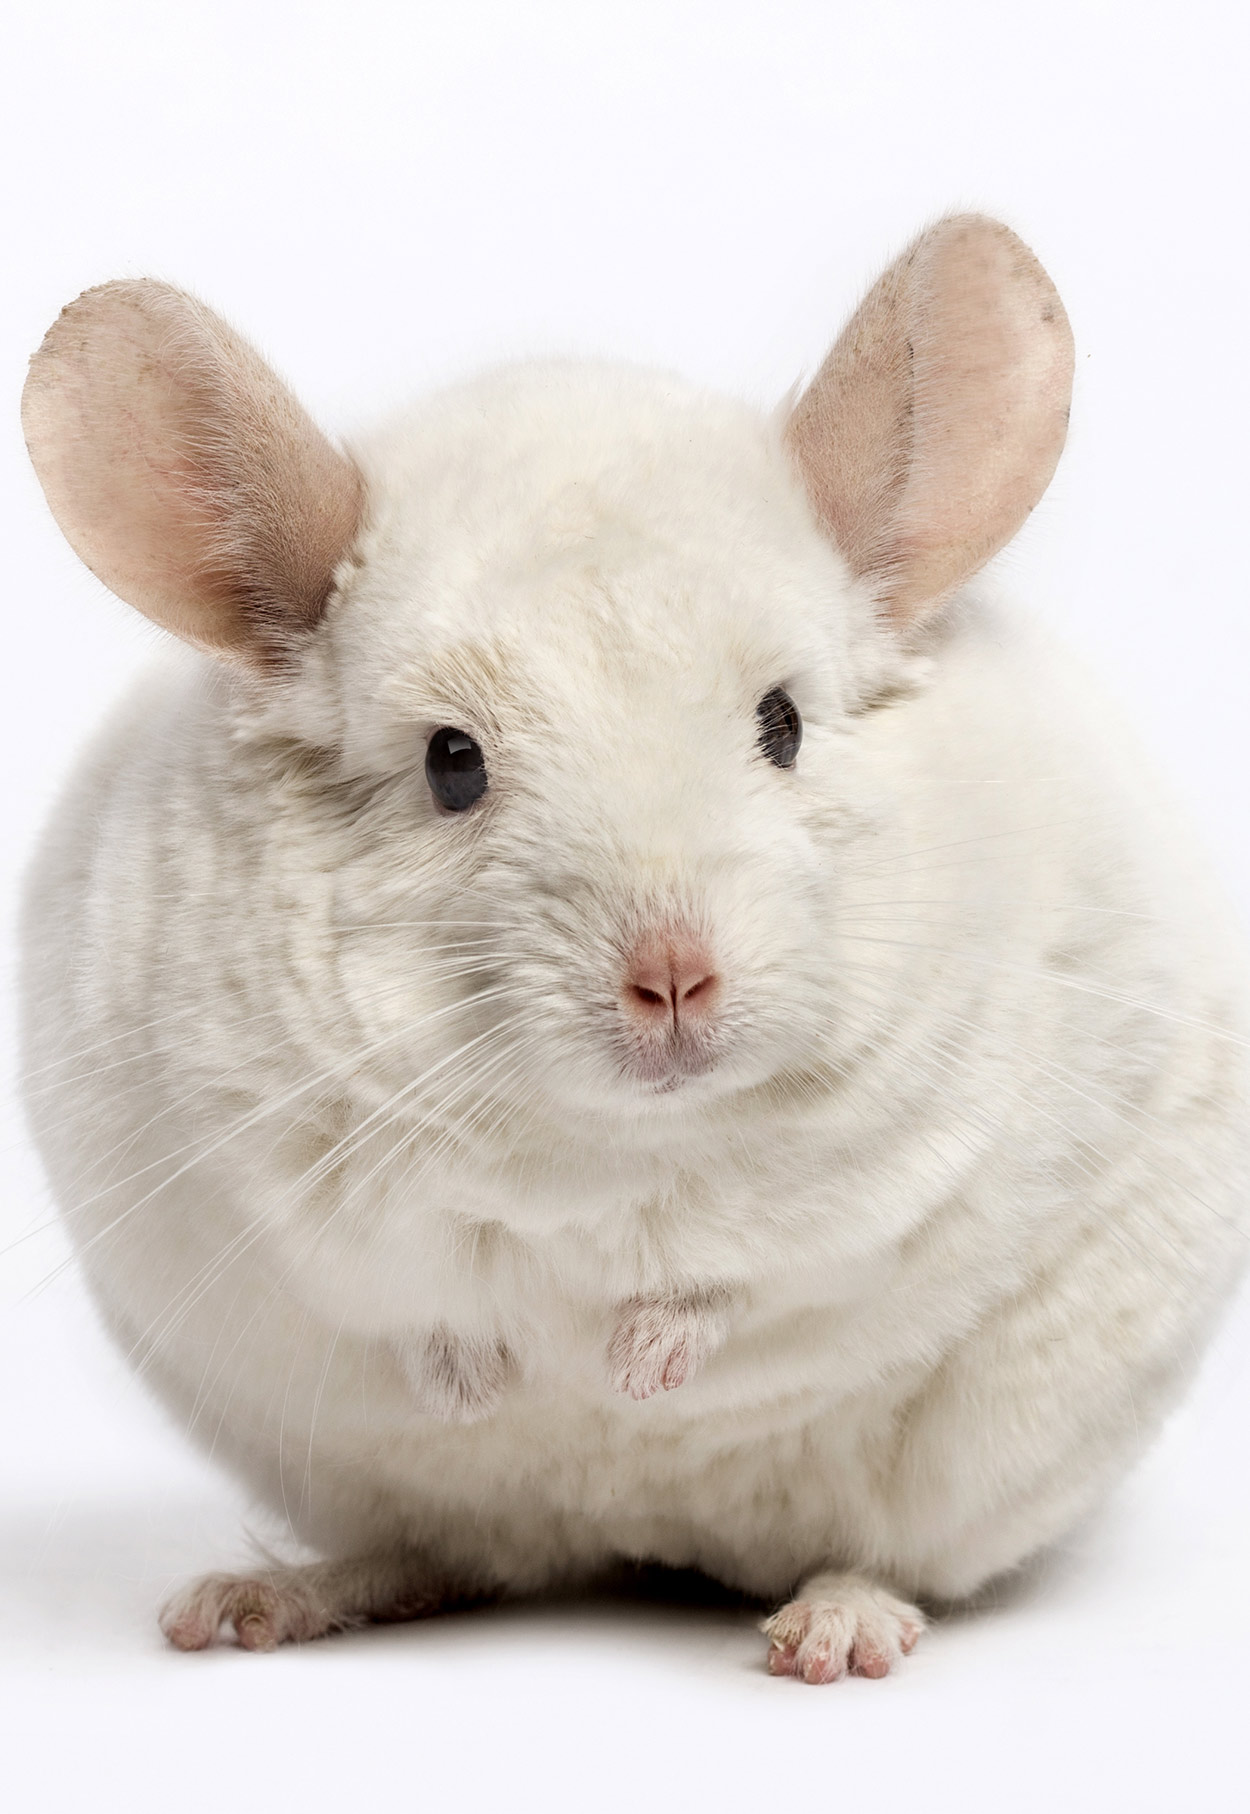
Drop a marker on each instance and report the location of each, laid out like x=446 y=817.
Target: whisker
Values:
x=943 y=1052
x=208 y=1145
x=989 y=837
x=1051 y=977
x=206 y=1278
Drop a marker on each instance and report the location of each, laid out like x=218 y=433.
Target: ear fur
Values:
x=184 y=473
x=935 y=423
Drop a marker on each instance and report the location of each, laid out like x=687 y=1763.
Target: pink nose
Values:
x=670 y=981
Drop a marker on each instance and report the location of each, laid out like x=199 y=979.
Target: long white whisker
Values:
x=307 y=1180
x=1051 y=977
x=207 y=1146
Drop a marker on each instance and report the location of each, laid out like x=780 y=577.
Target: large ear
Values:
x=184 y=473
x=934 y=425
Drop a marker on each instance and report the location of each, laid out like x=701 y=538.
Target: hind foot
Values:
x=273 y=1606
x=842 y=1625
x=660 y=1343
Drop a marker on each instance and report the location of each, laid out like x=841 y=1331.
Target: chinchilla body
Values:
x=615 y=1008
x=318 y=1069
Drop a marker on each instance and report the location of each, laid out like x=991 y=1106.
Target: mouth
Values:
x=670 y=1065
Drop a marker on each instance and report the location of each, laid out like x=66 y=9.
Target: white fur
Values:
x=322 y=1074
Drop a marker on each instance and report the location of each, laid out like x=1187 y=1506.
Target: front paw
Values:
x=659 y=1343
x=457 y=1378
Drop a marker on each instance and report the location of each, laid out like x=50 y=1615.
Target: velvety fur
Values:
x=903 y=1262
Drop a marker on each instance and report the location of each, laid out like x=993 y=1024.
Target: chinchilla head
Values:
x=567 y=658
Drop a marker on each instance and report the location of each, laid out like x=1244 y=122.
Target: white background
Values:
x=382 y=192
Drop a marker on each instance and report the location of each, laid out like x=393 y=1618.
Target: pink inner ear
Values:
x=935 y=424
x=184 y=473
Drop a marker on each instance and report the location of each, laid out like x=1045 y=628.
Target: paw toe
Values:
x=790 y=1626
x=871 y=1661
x=821 y=1662
x=255 y=1611
x=186 y=1631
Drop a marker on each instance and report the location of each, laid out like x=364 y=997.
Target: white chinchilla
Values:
x=611 y=1009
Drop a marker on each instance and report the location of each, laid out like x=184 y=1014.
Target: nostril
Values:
x=698 y=993
x=650 y=998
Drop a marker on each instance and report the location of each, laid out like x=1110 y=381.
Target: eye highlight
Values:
x=781 y=728
x=455 y=769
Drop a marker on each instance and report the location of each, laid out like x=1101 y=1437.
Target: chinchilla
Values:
x=608 y=1006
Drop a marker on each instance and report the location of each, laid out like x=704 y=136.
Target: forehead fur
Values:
x=620 y=513
x=541 y=457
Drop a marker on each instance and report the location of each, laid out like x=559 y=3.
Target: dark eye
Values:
x=455 y=769
x=781 y=728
